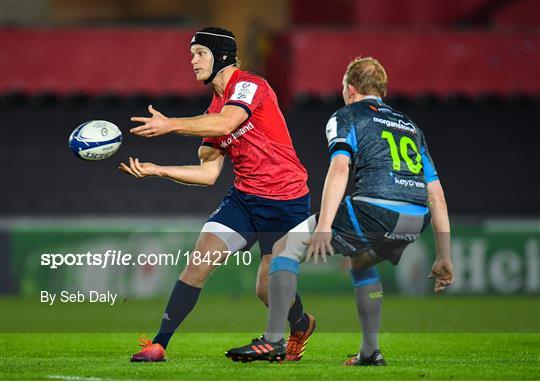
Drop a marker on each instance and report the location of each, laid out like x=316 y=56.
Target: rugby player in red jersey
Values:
x=269 y=195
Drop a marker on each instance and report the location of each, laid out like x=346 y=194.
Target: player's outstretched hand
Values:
x=153 y=126
x=443 y=273
x=319 y=245
x=137 y=169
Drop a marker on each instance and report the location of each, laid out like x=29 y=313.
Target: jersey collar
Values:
x=372 y=97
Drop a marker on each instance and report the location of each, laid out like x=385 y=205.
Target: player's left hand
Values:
x=443 y=273
x=139 y=169
x=153 y=126
x=319 y=244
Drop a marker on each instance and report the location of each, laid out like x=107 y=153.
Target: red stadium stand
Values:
x=95 y=61
x=431 y=61
x=305 y=61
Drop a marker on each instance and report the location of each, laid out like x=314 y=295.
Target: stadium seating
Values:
x=418 y=61
x=36 y=185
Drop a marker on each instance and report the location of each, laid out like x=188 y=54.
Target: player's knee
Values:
x=197 y=270
x=364 y=277
x=279 y=246
x=195 y=275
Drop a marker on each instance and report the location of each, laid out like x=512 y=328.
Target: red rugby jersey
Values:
x=261 y=150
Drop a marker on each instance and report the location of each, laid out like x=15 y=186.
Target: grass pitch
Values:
x=450 y=338
x=192 y=356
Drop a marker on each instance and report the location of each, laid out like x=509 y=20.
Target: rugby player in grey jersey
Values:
x=397 y=194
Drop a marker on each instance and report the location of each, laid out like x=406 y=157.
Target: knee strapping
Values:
x=364 y=277
x=281 y=263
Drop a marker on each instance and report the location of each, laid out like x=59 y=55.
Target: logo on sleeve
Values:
x=244 y=91
x=331 y=128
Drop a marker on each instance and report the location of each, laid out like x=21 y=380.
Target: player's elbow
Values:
x=210 y=179
x=438 y=205
x=435 y=192
x=437 y=199
x=339 y=165
x=340 y=168
x=207 y=182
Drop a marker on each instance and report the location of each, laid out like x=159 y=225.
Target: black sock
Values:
x=183 y=299
x=297 y=319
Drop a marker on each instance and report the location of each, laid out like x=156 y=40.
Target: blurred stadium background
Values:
x=467 y=71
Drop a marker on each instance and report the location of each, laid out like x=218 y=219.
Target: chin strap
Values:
x=213 y=75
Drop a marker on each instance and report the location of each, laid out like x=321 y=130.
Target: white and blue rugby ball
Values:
x=95 y=140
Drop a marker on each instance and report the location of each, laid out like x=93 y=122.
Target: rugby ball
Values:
x=95 y=140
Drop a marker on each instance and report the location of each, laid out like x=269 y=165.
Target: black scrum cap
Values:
x=221 y=43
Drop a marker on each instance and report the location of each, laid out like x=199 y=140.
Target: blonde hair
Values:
x=237 y=63
x=367 y=76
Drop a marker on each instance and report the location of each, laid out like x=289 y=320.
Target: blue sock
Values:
x=365 y=277
x=181 y=303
